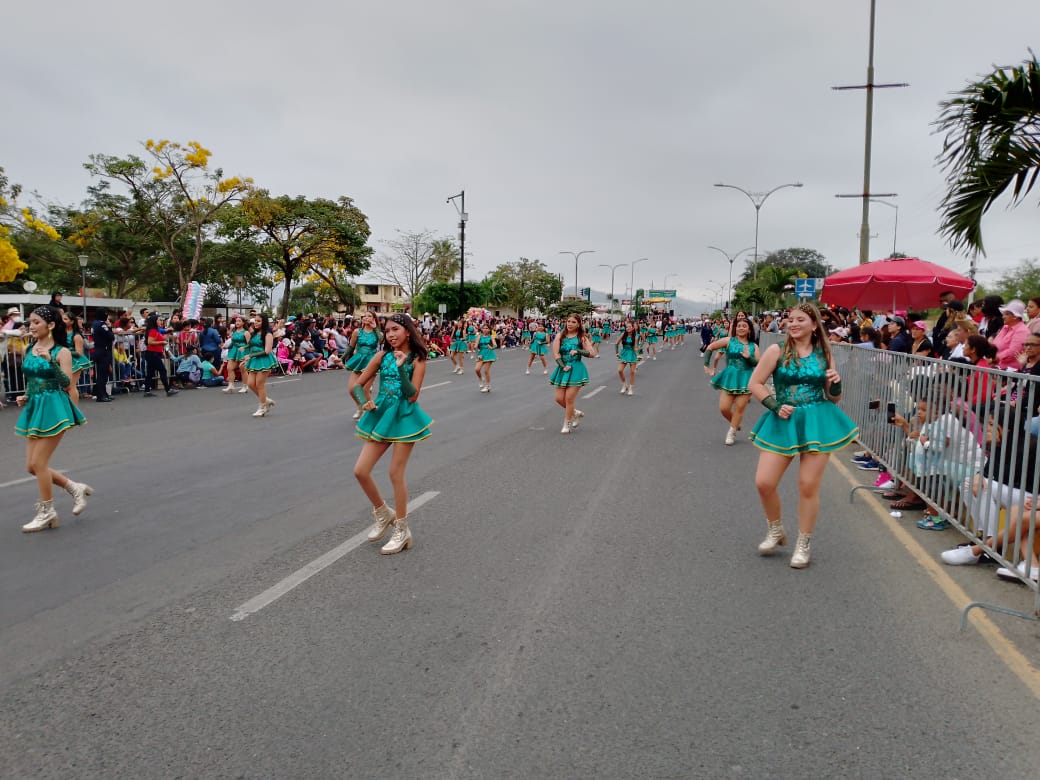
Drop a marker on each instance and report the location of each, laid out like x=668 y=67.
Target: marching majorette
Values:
x=47 y=412
x=485 y=357
x=259 y=363
x=627 y=350
x=395 y=419
x=569 y=347
x=364 y=343
x=236 y=354
x=457 y=350
x=741 y=356
x=539 y=348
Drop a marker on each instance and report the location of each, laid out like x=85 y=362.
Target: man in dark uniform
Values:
x=101 y=330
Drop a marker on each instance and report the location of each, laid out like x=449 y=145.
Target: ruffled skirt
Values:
x=394 y=420
x=732 y=380
x=48 y=414
x=360 y=359
x=261 y=362
x=818 y=427
x=628 y=355
x=576 y=377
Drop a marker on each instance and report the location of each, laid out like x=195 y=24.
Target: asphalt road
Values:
x=575 y=606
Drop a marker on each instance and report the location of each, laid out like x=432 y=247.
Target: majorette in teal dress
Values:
x=486 y=354
x=540 y=343
x=458 y=344
x=816 y=425
x=733 y=379
x=395 y=418
x=237 y=350
x=258 y=360
x=79 y=362
x=651 y=336
x=364 y=350
x=597 y=335
x=627 y=351
x=578 y=375
x=48 y=409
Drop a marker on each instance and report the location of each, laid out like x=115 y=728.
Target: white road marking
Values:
x=21 y=481
x=303 y=574
x=598 y=389
x=439 y=384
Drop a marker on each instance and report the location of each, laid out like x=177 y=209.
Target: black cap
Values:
x=955 y=305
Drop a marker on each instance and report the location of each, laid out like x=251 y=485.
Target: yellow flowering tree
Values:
x=179 y=196
x=17 y=223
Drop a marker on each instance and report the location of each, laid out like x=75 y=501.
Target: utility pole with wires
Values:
x=866 y=195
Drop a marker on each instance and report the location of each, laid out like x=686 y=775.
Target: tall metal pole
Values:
x=633 y=305
x=732 y=258
x=83 y=260
x=895 y=229
x=463 y=218
x=612 y=268
x=576 y=256
x=864 y=228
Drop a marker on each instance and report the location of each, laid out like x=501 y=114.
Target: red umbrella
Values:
x=900 y=283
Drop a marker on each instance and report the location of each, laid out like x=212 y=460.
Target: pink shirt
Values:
x=1008 y=342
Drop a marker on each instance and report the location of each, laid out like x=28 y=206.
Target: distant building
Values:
x=381 y=297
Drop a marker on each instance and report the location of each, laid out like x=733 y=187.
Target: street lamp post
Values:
x=731 y=258
x=757 y=199
x=633 y=302
x=612 y=268
x=83 y=260
x=895 y=229
x=463 y=219
x=576 y=256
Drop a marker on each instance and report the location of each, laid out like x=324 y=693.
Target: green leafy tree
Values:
x=804 y=262
x=566 y=308
x=444 y=259
x=992 y=143
x=179 y=196
x=437 y=293
x=328 y=239
x=1023 y=281
x=525 y=284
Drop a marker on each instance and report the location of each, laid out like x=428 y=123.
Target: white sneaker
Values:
x=887 y=484
x=566 y=427
x=1019 y=572
x=576 y=420
x=244 y=389
x=528 y=371
x=261 y=411
x=356 y=415
x=228 y=389
x=731 y=436
x=546 y=371
x=485 y=388
x=623 y=389
x=960 y=556
x=630 y=390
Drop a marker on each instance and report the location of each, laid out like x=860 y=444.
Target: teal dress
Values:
x=733 y=379
x=486 y=354
x=817 y=424
x=578 y=375
x=257 y=360
x=651 y=336
x=48 y=409
x=237 y=350
x=395 y=418
x=627 y=353
x=79 y=362
x=458 y=344
x=364 y=350
x=597 y=335
x=539 y=344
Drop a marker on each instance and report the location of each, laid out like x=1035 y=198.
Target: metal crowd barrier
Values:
x=978 y=430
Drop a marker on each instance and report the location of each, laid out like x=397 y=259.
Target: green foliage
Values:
x=474 y=294
x=992 y=143
x=1022 y=281
x=525 y=284
x=571 y=306
x=444 y=260
x=805 y=262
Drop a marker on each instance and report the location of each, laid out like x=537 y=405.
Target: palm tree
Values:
x=992 y=142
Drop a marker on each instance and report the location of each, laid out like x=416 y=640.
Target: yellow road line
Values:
x=1005 y=649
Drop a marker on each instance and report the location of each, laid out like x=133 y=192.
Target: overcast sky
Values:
x=573 y=124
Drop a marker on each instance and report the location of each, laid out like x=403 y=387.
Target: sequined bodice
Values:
x=367 y=339
x=238 y=338
x=42 y=374
x=390 y=377
x=256 y=343
x=801 y=381
x=735 y=354
x=567 y=343
x=485 y=342
x=540 y=337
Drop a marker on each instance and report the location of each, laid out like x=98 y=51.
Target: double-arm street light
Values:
x=731 y=258
x=895 y=230
x=576 y=256
x=612 y=268
x=757 y=199
x=633 y=302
